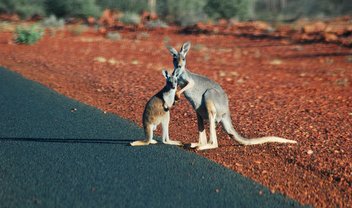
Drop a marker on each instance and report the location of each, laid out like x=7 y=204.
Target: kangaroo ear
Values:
x=172 y=51
x=185 y=48
x=165 y=73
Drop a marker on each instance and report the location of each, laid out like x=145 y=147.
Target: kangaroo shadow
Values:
x=71 y=141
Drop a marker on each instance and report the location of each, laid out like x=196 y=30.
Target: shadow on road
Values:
x=56 y=140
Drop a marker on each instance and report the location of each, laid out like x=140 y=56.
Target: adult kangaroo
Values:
x=210 y=102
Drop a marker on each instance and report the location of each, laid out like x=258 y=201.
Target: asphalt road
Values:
x=57 y=152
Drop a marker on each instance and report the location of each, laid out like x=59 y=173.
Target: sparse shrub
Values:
x=130 y=18
x=53 y=21
x=73 y=8
x=113 y=36
x=28 y=35
x=182 y=12
x=142 y=36
x=78 y=29
x=198 y=47
x=24 y=8
x=53 y=24
x=166 y=39
x=135 y=6
x=7 y=27
x=156 y=24
x=349 y=59
x=227 y=9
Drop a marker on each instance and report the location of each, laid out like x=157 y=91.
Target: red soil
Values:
x=300 y=92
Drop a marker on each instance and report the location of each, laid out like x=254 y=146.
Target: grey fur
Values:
x=210 y=102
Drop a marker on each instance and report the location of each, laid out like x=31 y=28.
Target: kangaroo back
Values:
x=210 y=102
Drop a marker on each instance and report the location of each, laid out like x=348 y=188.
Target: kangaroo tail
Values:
x=227 y=124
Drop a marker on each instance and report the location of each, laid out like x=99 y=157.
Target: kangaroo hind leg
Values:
x=212 y=113
x=165 y=136
x=148 y=130
x=202 y=140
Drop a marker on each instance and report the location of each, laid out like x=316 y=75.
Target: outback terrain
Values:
x=276 y=87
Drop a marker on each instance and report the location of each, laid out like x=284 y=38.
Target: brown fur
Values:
x=154 y=110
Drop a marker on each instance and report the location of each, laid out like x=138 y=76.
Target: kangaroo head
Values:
x=171 y=81
x=179 y=58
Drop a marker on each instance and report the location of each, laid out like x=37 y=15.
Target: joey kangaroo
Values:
x=210 y=102
x=157 y=111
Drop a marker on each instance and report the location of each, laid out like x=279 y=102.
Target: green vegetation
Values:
x=77 y=30
x=156 y=24
x=228 y=9
x=53 y=24
x=290 y=10
x=24 y=8
x=130 y=18
x=134 y=6
x=114 y=36
x=7 y=27
x=182 y=12
x=28 y=35
x=73 y=8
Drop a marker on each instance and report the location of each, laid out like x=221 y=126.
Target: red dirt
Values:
x=300 y=92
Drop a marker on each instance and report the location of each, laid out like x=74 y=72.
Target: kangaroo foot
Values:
x=207 y=146
x=141 y=143
x=194 y=145
x=153 y=141
x=171 y=142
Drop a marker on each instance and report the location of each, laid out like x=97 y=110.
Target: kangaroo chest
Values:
x=194 y=94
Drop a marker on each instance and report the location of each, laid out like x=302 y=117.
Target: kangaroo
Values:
x=210 y=102
x=157 y=111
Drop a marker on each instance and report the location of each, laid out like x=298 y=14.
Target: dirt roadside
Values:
x=300 y=92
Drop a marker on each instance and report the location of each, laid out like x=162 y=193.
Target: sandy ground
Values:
x=275 y=87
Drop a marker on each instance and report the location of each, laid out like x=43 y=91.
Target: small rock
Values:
x=276 y=62
x=100 y=59
x=73 y=109
x=349 y=59
x=342 y=82
x=112 y=61
x=217 y=190
x=240 y=81
x=135 y=62
x=309 y=152
x=238 y=164
x=222 y=73
x=234 y=74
